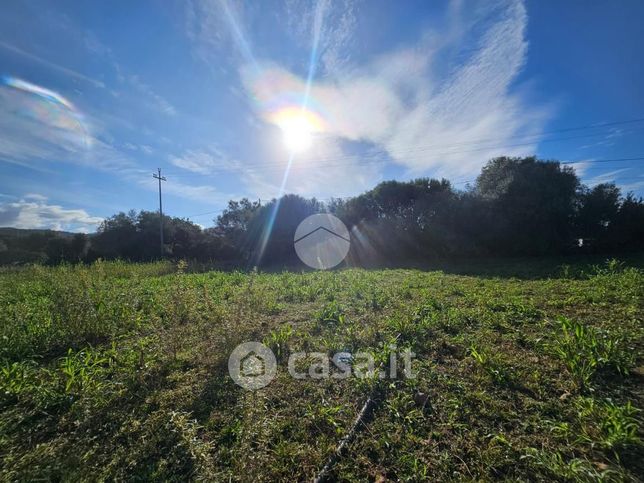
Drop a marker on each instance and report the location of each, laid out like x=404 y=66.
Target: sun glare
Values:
x=297 y=135
x=298 y=127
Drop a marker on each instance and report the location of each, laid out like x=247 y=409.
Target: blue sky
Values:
x=95 y=96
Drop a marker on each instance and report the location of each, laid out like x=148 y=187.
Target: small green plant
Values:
x=565 y=271
x=585 y=351
x=277 y=341
x=403 y=325
x=610 y=267
x=491 y=366
x=376 y=300
x=182 y=266
x=332 y=313
x=27 y=382
x=82 y=370
x=13 y=379
x=608 y=425
x=553 y=464
x=325 y=416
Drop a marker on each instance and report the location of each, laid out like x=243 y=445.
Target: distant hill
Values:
x=9 y=232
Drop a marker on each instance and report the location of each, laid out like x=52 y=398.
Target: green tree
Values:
x=533 y=204
x=270 y=232
x=598 y=209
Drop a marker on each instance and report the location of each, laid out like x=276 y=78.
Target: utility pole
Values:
x=160 y=178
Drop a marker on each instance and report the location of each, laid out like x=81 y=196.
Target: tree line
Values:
x=516 y=207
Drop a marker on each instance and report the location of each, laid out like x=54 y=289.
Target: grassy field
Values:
x=119 y=371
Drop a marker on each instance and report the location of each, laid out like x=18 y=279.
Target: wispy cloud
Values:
x=214 y=26
x=154 y=100
x=424 y=107
x=204 y=161
x=34 y=127
x=428 y=106
x=581 y=167
x=308 y=176
x=633 y=186
x=331 y=22
x=40 y=143
x=34 y=197
x=62 y=69
x=608 y=177
x=33 y=212
x=37 y=133
x=206 y=194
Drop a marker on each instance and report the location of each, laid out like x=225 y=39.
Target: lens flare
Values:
x=282 y=100
x=50 y=110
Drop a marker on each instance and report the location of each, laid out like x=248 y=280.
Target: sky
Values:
x=321 y=98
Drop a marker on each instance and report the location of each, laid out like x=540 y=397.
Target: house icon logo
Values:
x=322 y=241
x=252 y=365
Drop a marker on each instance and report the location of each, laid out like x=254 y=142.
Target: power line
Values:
x=365 y=162
x=470 y=180
x=519 y=136
x=602 y=160
x=366 y=159
x=426 y=148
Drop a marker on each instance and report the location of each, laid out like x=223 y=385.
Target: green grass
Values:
x=119 y=371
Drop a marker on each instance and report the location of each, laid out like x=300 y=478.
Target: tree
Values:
x=116 y=237
x=79 y=245
x=237 y=216
x=401 y=219
x=627 y=231
x=598 y=209
x=518 y=206
x=135 y=236
x=533 y=204
x=233 y=225
x=270 y=232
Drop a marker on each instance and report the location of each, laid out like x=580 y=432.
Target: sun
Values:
x=299 y=127
x=297 y=133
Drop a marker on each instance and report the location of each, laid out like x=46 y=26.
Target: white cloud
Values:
x=64 y=70
x=40 y=142
x=637 y=186
x=329 y=24
x=338 y=178
x=310 y=177
x=35 y=197
x=26 y=135
x=204 y=161
x=144 y=148
x=34 y=212
x=608 y=177
x=213 y=26
x=154 y=101
x=202 y=193
x=431 y=108
x=581 y=167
